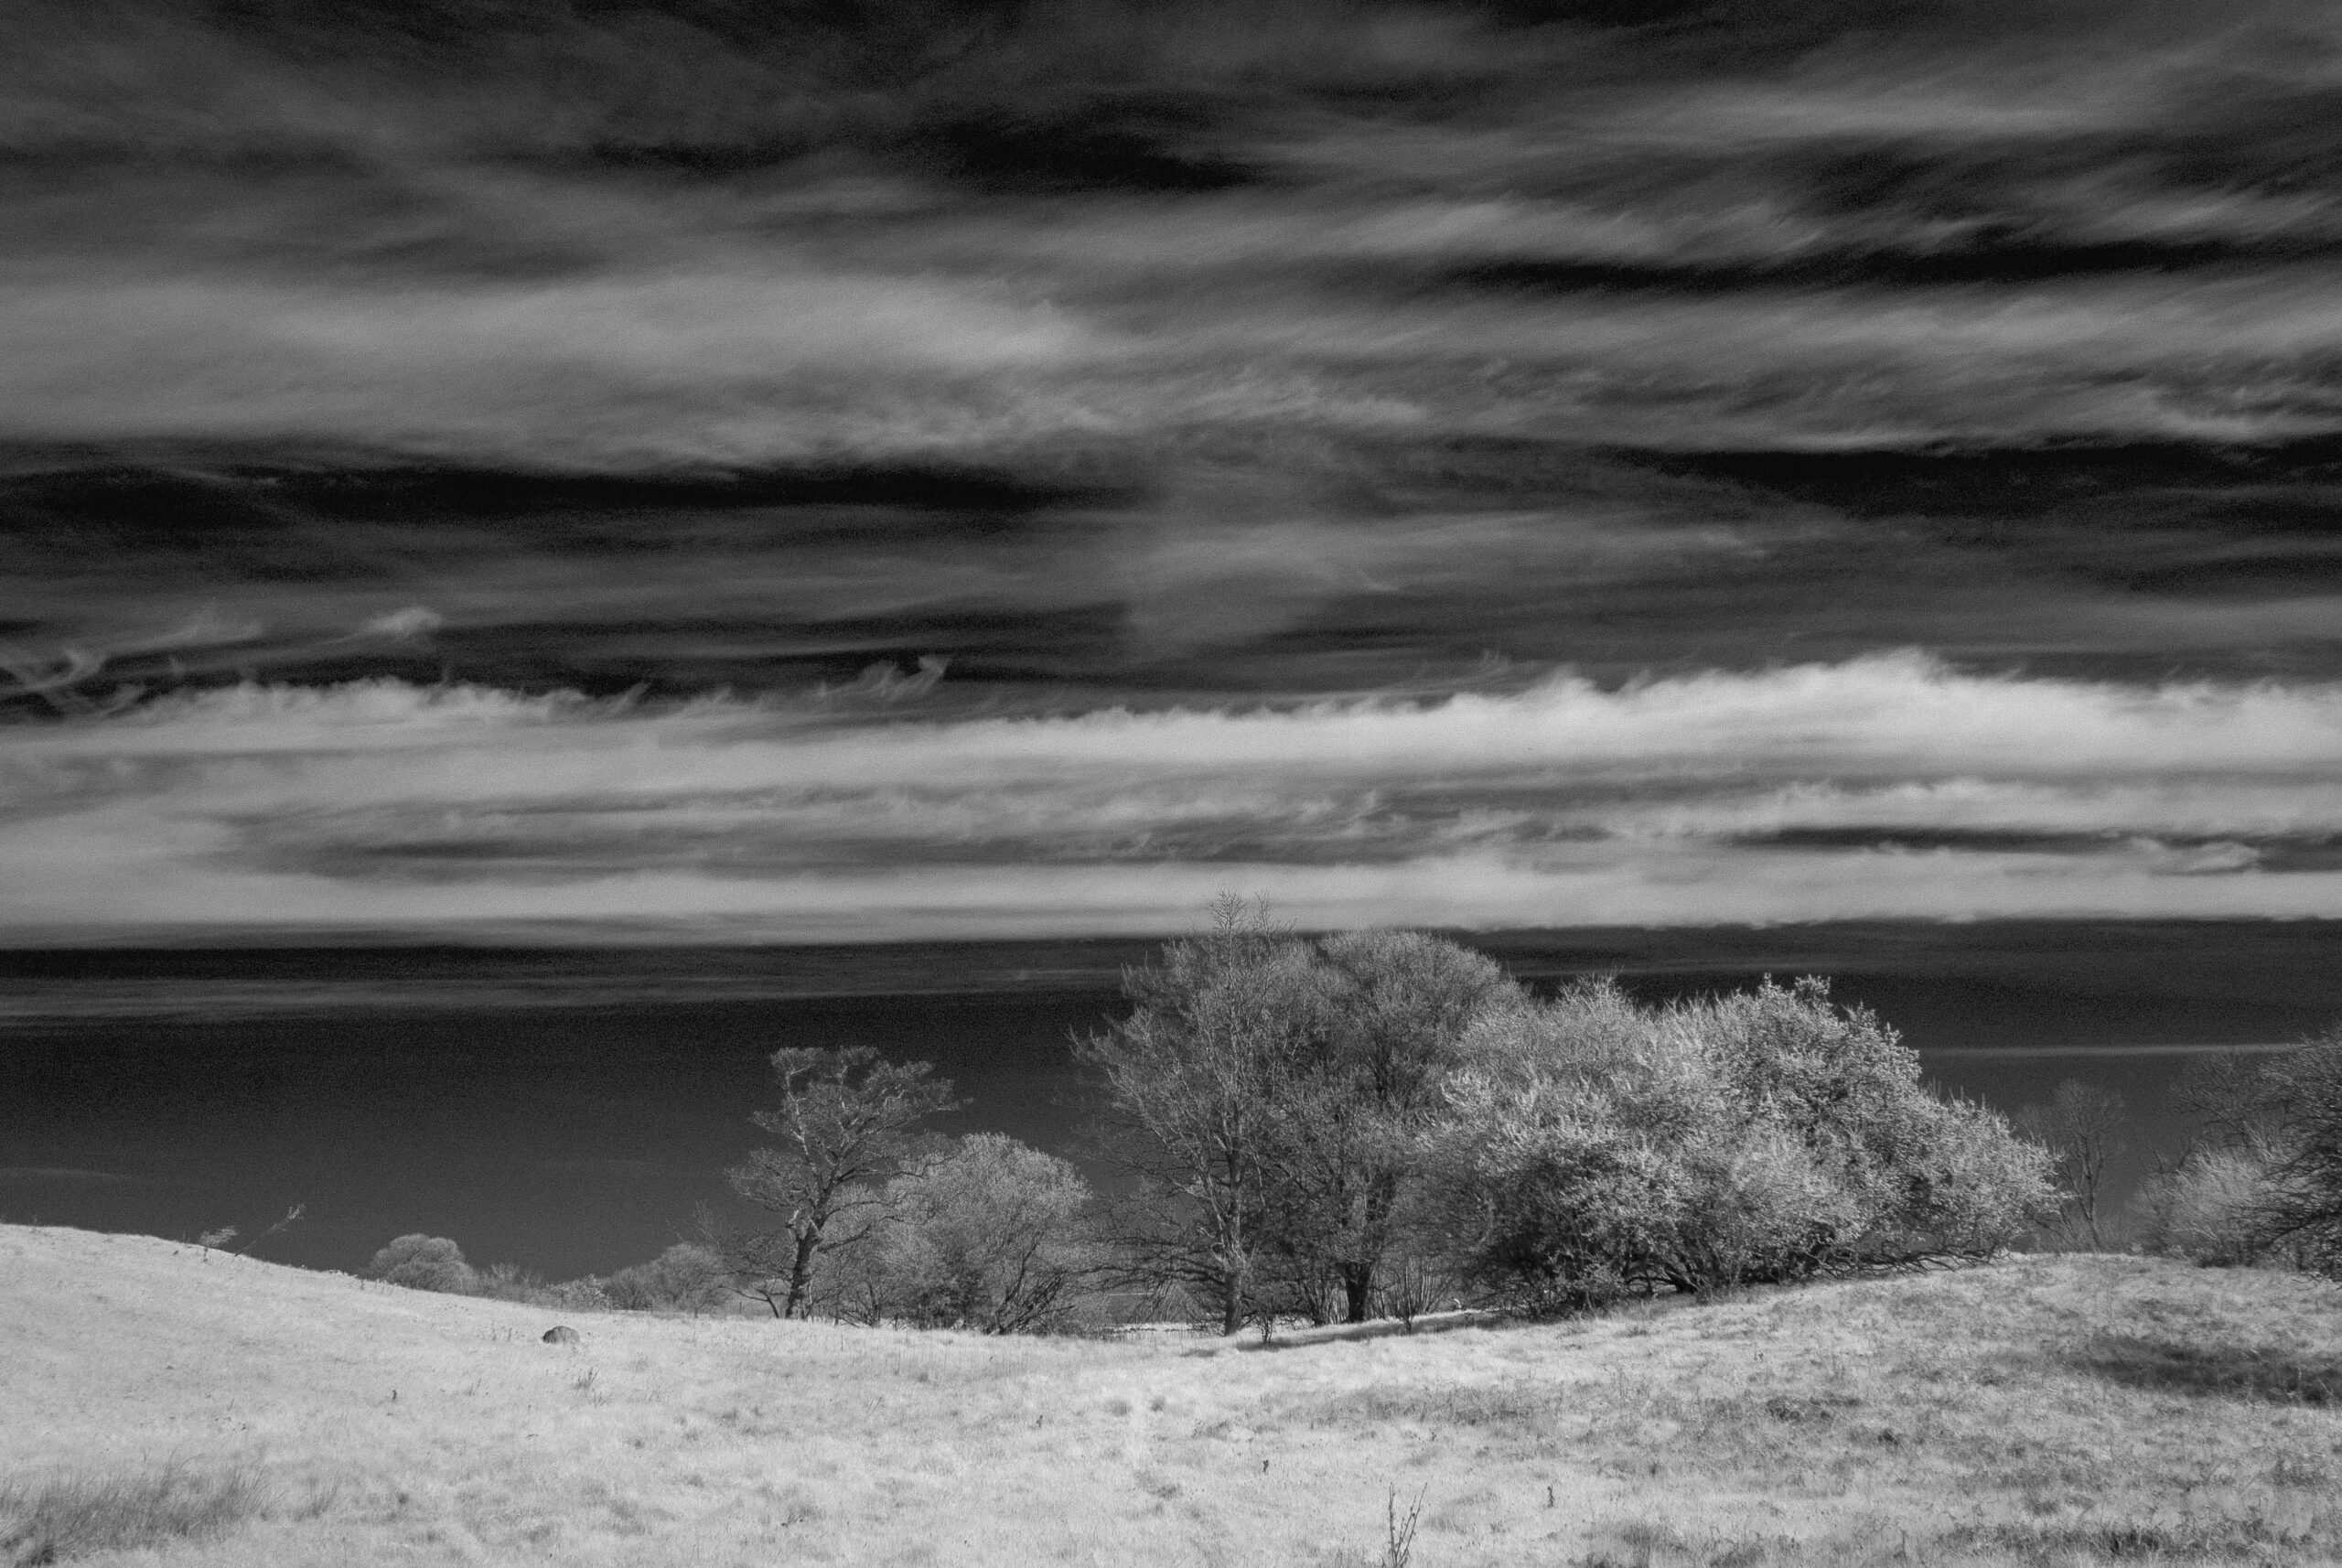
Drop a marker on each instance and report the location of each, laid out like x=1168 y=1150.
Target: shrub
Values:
x=1592 y=1147
x=425 y=1262
x=2208 y=1209
x=509 y=1281
x=686 y=1277
x=573 y=1295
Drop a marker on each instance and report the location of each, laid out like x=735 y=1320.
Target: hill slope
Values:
x=2040 y=1411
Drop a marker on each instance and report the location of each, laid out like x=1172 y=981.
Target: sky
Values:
x=569 y=470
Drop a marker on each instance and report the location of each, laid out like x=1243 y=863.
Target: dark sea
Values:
x=566 y=1110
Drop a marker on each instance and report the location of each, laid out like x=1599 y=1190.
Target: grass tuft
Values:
x=72 y=1515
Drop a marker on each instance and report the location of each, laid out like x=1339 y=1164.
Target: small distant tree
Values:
x=2082 y=1127
x=990 y=1236
x=424 y=1263
x=847 y=1122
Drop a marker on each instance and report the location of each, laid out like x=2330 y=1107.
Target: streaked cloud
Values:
x=1886 y=786
x=1027 y=468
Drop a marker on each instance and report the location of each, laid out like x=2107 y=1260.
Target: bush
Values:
x=686 y=1277
x=1592 y=1147
x=508 y=1282
x=2207 y=1210
x=573 y=1296
x=425 y=1262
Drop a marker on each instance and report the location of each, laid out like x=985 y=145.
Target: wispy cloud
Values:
x=1887 y=786
x=1035 y=467
x=1956 y=235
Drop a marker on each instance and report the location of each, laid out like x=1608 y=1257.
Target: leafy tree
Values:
x=424 y=1263
x=990 y=1236
x=845 y=1125
x=2082 y=1127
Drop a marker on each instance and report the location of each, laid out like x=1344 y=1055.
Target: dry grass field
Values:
x=166 y=1406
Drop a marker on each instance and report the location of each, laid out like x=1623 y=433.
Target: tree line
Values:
x=1363 y=1123
x=1374 y=1123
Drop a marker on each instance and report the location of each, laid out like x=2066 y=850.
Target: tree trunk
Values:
x=800 y=1272
x=1357 y=1291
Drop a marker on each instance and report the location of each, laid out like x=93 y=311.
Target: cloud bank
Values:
x=1888 y=786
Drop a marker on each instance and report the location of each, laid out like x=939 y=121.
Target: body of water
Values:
x=566 y=1109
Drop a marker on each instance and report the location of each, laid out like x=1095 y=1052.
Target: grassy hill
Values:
x=2042 y=1411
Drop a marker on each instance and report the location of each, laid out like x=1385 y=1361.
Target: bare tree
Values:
x=2082 y=1127
x=845 y=1125
x=2299 y=1213
x=1398 y=1004
x=2230 y=1101
x=1266 y=1090
x=1188 y=1076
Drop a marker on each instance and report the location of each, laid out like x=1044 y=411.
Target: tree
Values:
x=424 y=1263
x=1267 y=1094
x=2082 y=1126
x=990 y=1236
x=845 y=1125
x=1362 y=1087
x=2301 y=1209
x=1189 y=1076
x=2230 y=1103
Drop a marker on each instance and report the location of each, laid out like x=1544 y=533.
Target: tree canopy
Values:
x=1267 y=1093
